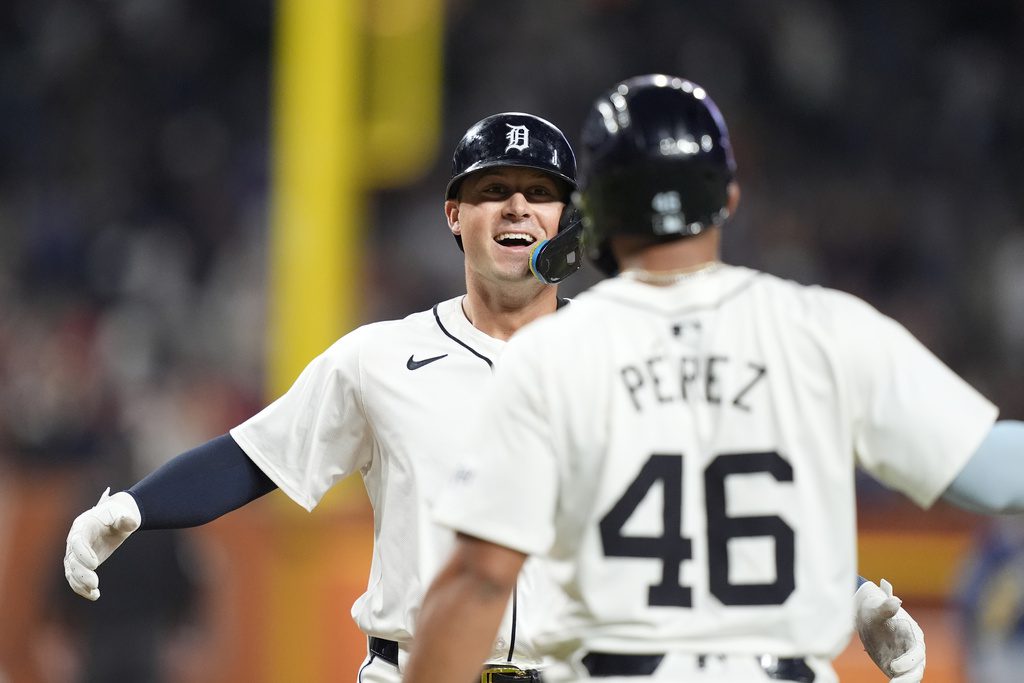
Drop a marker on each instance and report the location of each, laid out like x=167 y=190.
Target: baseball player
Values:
x=390 y=401
x=681 y=440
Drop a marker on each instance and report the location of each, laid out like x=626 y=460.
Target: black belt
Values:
x=506 y=673
x=492 y=673
x=385 y=649
x=606 y=665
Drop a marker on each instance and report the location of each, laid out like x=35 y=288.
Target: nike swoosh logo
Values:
x=417 y=364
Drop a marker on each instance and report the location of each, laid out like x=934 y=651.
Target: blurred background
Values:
x=165 y=166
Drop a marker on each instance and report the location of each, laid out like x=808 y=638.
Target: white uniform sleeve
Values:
x=316 y=433
x=916 y=421
x=506 y=489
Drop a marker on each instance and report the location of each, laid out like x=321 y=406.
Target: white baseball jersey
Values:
x=686 y=454
x=391 y=400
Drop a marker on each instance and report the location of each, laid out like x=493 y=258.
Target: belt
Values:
x=385 y=649
x=606 y=665
x=492 y=673
x=506 y=673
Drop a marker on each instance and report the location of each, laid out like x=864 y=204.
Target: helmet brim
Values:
x=452 y=190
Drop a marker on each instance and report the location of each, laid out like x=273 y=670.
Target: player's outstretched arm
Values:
x=890 y=636
x=992 y=481
x=462 y=612
x=194 y=488
x=200 y=485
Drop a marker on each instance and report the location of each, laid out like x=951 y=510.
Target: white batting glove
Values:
x=890 y=636
x=94 y=535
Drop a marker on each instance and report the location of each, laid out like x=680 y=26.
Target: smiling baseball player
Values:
x=389 y=401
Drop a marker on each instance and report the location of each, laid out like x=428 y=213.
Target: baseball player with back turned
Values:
x=681 y=440
x=391 y=401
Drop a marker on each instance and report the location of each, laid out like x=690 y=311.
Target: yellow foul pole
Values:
x=356 y=105
x=314 y=244
x=315 y=255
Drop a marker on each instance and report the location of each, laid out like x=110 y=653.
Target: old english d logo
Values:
x=518 y=137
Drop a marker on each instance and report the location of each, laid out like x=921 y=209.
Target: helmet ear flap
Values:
x=553 y=260
x=570 y=217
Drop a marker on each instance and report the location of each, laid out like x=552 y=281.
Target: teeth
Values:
x=516 y=236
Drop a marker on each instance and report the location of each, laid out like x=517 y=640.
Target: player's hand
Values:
x=890 y=636
x=94 y=535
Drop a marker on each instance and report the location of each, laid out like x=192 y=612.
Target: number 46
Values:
x=672 y=547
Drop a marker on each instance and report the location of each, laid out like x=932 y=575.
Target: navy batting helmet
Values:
x=513 y=139
x=655 y=161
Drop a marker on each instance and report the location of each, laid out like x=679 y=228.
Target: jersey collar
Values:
x=454 y=320
x=705 y=292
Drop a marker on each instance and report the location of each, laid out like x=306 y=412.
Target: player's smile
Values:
x=513 y=241
x=516 y=239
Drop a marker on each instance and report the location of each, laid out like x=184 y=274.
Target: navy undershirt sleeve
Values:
x=199 y=486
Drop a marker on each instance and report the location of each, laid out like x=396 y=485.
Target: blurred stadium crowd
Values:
x=880 y=148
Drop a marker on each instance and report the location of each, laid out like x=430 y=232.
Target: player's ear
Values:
x=733 y=200
x=451 y=212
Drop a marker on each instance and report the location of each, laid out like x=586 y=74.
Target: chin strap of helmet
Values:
x=553 y=260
